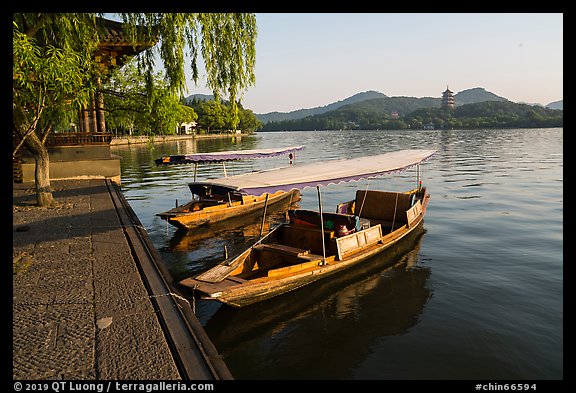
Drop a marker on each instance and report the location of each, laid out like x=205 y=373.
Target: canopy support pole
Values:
x=321 y=227
x=224 y=166
x=195 y=167
x=264 y=216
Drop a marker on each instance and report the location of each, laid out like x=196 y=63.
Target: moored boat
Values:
x=313 y=245
x=212 y=202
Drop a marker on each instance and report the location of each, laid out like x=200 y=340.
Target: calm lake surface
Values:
x=477 y=294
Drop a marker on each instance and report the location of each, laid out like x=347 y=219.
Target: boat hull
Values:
x=217 y=214
x=235 y=291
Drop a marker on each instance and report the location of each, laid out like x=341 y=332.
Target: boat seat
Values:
x=282 y=249
x=331 y=220
x=382 y=206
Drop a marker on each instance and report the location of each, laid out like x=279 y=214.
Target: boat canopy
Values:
x=325 y=172
x=222 y=156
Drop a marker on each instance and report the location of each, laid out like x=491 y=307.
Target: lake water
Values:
x=477 y=294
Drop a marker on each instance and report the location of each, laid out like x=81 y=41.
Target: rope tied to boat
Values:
x=363 y=199
x=394 y=217
x=84 y=301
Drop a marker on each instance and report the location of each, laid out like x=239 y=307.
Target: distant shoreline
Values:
x=131 y=140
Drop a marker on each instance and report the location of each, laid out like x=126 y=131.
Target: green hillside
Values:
x=475 y=95
x=419 y=113
x=301 y=113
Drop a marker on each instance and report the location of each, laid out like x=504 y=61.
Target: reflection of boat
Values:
x=386 y=294
x=249 y=226
x=311 y=245
x=213 y=202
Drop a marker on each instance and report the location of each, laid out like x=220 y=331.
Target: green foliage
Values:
x=54 y=70
x=130 y=109
x=211 y=115
x=215 y=116
x=414 y=113
x=248 y=121
x=129 y=106
x=226 y=41
x=490 y=114
x=46 y=82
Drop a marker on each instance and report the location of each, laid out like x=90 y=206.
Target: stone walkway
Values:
x=80 y=307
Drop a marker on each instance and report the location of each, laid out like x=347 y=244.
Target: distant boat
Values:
x=313 y=245
x=214 y=203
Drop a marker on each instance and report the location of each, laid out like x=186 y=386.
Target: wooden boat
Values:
x=246 y=226
x=212 y=202
x=314 y=245
x=402 y=298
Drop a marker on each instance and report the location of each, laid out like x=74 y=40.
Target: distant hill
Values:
x=301 y=113
x=414 y=113
x=386 y=107
x=464 y=97
x=475 y=95
x=556 y=105
x=200 y=97
x=368 y=114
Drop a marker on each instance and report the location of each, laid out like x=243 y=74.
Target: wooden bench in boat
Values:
x=307 y=237
x=357 y=241
x=282 y=249
x=305 y=262
x=382 y=205
x=386 y=208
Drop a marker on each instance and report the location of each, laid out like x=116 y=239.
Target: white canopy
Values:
x=232 y=155
x=325 y=172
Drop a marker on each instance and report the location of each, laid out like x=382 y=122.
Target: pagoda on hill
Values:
x=448 y=99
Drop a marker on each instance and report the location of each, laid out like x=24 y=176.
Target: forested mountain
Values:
x=199 y=97
x=489 y=114
x=301 y=113
x=556 y=105
x=370 y=114
x=374 y=110
x=474 y=95
x=418 y=113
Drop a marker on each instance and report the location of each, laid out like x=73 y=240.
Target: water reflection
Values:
x=492 y=253
x=247 y=228
x=383 y=297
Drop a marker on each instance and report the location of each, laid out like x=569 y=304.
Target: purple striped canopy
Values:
x=325 y=172
x=197 y=158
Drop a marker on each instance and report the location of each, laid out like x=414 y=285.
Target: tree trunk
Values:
x=42 y=172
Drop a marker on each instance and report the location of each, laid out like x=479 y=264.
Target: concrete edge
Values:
x=193 y=352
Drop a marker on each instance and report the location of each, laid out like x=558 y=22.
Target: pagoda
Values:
x=448 y=99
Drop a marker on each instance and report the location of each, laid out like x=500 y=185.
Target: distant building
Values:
x=186 y=128
x=428 y=126
x=448 y=99
x=394 y=115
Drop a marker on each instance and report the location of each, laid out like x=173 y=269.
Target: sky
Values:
x=310 y=60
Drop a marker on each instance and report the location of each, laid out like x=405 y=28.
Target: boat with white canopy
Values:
x=312 y=245
x=212 y=202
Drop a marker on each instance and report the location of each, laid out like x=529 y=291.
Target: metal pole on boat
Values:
x=264 y=215
x=195 y=166
x=321 y=226
x=224 y=166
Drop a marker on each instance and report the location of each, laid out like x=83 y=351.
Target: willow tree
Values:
x=54 y=67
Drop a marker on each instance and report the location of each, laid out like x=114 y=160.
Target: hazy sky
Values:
x=309 y=60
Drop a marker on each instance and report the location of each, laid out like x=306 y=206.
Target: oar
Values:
x=223 y=270
x=264 y=215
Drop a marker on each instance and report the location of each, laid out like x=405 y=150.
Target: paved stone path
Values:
x=80 y=308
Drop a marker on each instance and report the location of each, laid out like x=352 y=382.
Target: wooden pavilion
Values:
x=87 y=153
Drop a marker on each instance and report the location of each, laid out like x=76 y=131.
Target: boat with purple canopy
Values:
x=214 y=203
x=313 y=245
